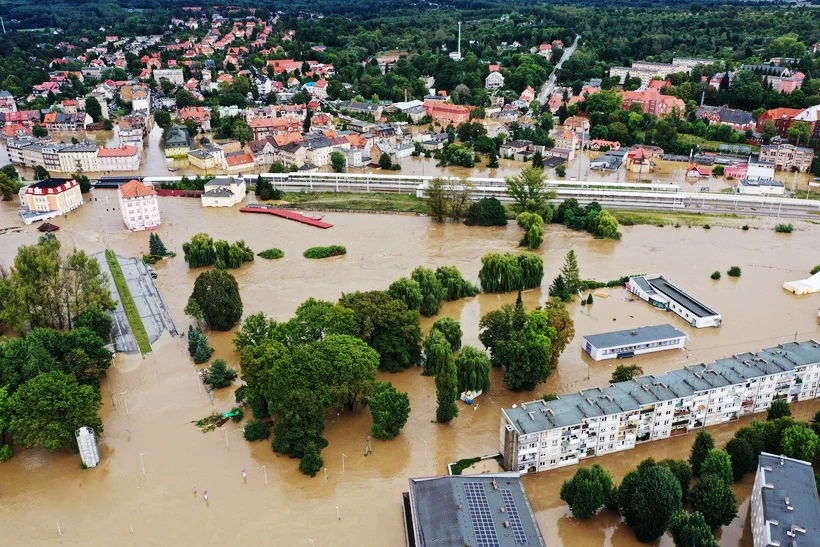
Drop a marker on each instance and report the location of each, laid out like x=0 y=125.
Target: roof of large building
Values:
x=640 y=335
x=135 y=189
x=119 y=152
x=574 y=408
x=55 y=185
x=791 y=508
x=457 y=510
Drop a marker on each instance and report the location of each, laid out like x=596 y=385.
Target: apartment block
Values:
x=541 y=435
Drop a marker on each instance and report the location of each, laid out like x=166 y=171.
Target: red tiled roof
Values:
x=239 y=159
x=135 y=189
x=121 y=152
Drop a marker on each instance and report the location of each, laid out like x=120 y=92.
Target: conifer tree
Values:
x=571 y=273
x=447 y=390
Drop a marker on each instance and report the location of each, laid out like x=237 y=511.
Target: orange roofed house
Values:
x=652 y=102
x=446 y=113
x=139 y=206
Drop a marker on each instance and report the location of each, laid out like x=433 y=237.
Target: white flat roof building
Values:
x=662 y=294
x=541 y=435
x=630 y=342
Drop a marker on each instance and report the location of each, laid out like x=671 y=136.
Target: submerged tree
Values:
x=473 y=369
x=216 y=292
x=446 y=390
x=389 y=409
x=451 y=330
x=432 y=292
x=587 y=491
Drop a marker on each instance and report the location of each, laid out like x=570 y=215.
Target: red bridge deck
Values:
x=285 y=214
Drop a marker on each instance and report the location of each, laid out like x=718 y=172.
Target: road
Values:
x=549 y=85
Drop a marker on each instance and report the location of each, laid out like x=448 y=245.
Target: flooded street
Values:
x=119 y=503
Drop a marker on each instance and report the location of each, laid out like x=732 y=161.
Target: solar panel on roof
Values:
x=480 y=515
x=514 y=518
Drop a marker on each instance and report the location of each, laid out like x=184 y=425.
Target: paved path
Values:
x=150 y=305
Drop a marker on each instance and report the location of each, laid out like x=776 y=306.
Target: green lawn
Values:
x=346 y=201
x=134 y=319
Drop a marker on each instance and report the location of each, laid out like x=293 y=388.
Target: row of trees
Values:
x=202 y=251
x=506 y=272
x=426 y=290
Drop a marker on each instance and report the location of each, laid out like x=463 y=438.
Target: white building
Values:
x=662 y=294
x=224 y=192
x=759 y=180
x=123 y=158
x=630 y=342
x=87 y=443
x=494 y=80
x=785 y=507
x=542 y=435
x=49 y=198
x=139 y=206
x=173 y=75
x=78 y=158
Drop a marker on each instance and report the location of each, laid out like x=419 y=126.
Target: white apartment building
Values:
x=630 y=342
x=173 y=75
x=541 y=435
x=139 y=206
x=81 y=157
x=52 y=195
x=123 y=158
x=224 y=192
x=785 y=507
x=494 y=80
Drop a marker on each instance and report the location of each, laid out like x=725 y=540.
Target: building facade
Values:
x=139 y=206
x=785 y=508
x=59 y=195
x=786 y=157
x=630 y=342
x=658 y=291
x=224 y=192
x=540 y=435
x=123 y=158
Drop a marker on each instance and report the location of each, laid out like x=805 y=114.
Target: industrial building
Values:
x=490 y=509
x=542 y=435
x=631 y=342
x=785 y=506
x=658 y=291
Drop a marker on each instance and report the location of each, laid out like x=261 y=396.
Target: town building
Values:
x=446 y=113
x=739 y=120
x=758 y=179
x=541 y=435
x=139 y=206
x=691 y=62
x=641 y=159
x=785 y=508
x=787 y=157
x=652 y=102
x=52 y=195
x=494 y=80
x=645 y=71
x=631 y=342
x=488 y=509
x=123 y=158
x=7 y=102
x=658 y=291
x=177 y=141
x=173 y=75
x=78 y=158
x=224 y=192
x=198 y=114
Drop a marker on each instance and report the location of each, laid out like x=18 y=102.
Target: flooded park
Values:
x=152 y=454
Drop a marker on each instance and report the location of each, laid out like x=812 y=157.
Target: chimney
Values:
x=459 y=39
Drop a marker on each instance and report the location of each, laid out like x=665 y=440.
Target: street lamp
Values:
x=142 y=463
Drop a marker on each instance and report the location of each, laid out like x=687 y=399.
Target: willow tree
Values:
x=432 y=292
x=456 y=286
x=532 y=270
x=199 y=251
x=408 y=291
x=436 y=352
x=447 y=390
x=451 y=330
x=438 y=203
x=533 y=226
x=473 y=369
x=500 y=273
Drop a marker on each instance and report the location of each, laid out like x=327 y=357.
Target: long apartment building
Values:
x=542 y=435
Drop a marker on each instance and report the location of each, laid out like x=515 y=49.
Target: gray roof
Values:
x=223 y=181
x=641 y=335
x=666 y=288
x=573 y=408
x=220 y=192
x=792 y=486
x=449 y=511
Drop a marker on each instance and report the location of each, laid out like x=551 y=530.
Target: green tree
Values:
x=446 y=390
x=97 y=321
x=312 y=462
x=587 y=491
x=436 y=351
x=486 y=212
x=700 y=449
x=682 y=472
x=800 y=442
x=438 y=202
x=647 y=499
x=473 y=369
x=338 y=161
x=38 y=131
x=242 y=132
x=571 y=273
x=386 y=325
x=778 y=409
x=742 y=457
x=277 y=167
x=162 y=118
x=538 y=160
x=46 y=410
x=558 y=289
x=202 y=351
x=714 y=499
x=352 y=367
x=389 y=409
x=256 y=430
x=451 y=329
x=155 y=246
x=528 y=191
x=220 y=375
x=408 y=291
x=561 y=170
x=455 y=285
x=563 y=326
x=691 y=530
x=624 y=373
x=84 y=181
x=717 y=462
x=301 y=424
x=8 y=187
x=432 y=292
x=799 y=132
x=93 y=109
x=255 y=330
x=385 y=162
x=217 y=294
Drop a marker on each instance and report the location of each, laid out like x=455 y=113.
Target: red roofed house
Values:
x=545 y=50
x=139 y=206
x=53 y=195
x=652 y=102
x=641 y=159
x=264 y=127
x=782 y=118
x=240 y=161
x=445 y=113
x=199 y=114
x=124 y=158
x=694 y=170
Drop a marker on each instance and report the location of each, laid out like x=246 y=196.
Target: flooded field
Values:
x=152 y=455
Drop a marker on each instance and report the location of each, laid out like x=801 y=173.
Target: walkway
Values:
x=298 y=217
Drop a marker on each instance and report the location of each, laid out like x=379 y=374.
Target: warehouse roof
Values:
x=791 y=508
x=640 y=335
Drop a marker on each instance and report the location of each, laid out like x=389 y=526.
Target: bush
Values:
x=271 y=254
x=257 y=430
x=220 y=375
x=324 y=252
x=238 y=414
x=734 y=271
x=715 y=275
x=312 y=462
x=707 y=227
x=784 y=228
x=815 y=269
x=486 y=212
x=745 y=227
x=5 y=453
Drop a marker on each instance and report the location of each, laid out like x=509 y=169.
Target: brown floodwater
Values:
x=118 y=503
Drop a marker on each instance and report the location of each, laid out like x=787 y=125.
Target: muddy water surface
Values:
x=102 y=506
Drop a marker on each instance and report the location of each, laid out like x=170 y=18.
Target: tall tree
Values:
x=473 y=369
x=528 y=191
x=691 y=530
x=800 y=442
x=338 y=161
x=647 y=498
x=587 y=491
x=46 y=410
x=300 y=426
x=217 y=294
x=436 y=352
x=389 y=409
x=432 y=291
x=700 y=449
x=742 y=456
x=255 y=330
x=714 y=499
x=560 y=320
x=408 y=291
x=778 y=409
x=571 y=273
x=437 y=198
x=451 y=330
x=446 y=390
x=717 y=462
